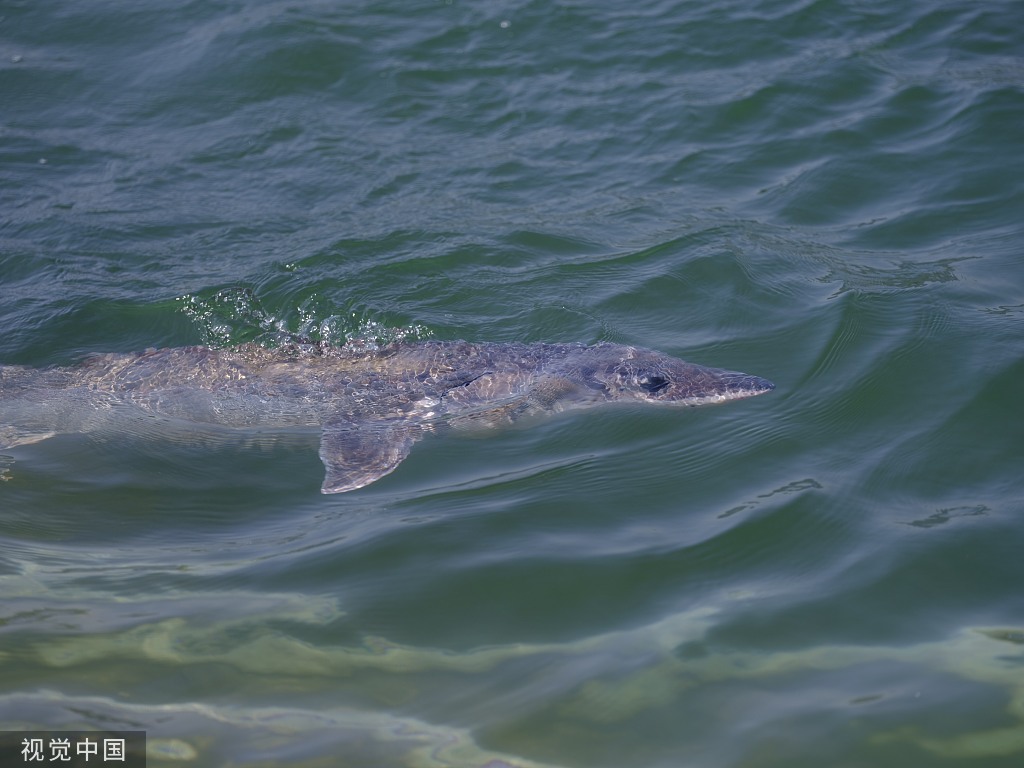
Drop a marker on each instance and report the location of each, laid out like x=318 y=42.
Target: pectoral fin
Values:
x=355 y=456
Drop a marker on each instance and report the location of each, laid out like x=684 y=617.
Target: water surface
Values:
x=825 y=194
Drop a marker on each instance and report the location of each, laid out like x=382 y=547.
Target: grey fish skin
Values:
x=370 y=404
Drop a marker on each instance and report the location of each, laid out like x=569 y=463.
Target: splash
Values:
x=228 y=316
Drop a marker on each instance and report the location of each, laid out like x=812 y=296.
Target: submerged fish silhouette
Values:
x=371 y=404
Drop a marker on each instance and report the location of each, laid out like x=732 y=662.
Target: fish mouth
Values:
x=745 y=385
x=730 y=385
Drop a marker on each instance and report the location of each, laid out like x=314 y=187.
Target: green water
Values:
x=826 y=194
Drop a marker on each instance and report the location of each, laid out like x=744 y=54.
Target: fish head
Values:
x=643 y=375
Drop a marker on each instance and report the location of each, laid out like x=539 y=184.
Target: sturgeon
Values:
x=370 y=404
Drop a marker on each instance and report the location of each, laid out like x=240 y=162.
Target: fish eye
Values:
x=653 y=384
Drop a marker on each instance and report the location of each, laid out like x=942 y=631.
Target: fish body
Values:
x=371 y=404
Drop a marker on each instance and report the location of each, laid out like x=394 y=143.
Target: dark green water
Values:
x=827 y=194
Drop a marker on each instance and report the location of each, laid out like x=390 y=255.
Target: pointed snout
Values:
x=703 y=386
x=744 y=384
